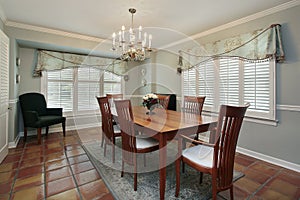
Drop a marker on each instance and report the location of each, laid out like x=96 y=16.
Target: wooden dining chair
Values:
x=109 y=131
x=216 y=159
x=163 y=100
x=112 y=97
x=131 y=144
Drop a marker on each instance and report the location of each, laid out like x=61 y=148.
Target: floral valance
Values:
x=51 y=60
x=257 y=46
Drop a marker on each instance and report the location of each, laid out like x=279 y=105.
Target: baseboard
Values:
x=14 y=143
x=3 y=153
x=269 y=159
x=59 y=129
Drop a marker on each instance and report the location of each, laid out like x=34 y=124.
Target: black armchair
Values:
x=37 y=115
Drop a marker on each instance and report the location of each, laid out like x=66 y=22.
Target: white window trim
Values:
x=209 y=110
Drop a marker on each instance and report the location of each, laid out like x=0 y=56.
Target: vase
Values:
x=150 y=110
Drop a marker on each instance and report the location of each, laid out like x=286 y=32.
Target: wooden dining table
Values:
x=165 y=125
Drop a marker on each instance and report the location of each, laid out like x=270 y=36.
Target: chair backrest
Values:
x=107 y=120
x=229 y=124
x=33 y=102
x=163 y=100
x=112 y=97
x=193 y=104
x=126 y=121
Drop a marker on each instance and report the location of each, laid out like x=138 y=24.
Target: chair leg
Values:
x=39 y=135
x=25 y=133
x=64 y=128
x=135 y=171
x=122 y=172
x=113 y=152
x=214 y=187
x=231 y=192
x=201 y=177
x=105 y=149
x=102 y=140
x=177 y=177
x=144 y=160
x=47 y=130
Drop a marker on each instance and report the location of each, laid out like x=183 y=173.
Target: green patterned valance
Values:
x=51 y=60
x=257 y=46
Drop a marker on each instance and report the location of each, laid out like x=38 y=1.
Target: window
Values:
x=75 y=89
x=234 y=82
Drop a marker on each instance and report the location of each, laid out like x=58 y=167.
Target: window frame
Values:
x=76 y=81
x=252 y=115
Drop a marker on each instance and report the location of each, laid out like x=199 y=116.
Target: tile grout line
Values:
x=73 y=174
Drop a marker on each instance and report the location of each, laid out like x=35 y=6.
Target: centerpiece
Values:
x=150 y=101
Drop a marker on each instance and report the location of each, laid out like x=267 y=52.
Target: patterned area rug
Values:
x=148 y=176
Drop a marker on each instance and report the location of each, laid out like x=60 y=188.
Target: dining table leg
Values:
x=162 y=165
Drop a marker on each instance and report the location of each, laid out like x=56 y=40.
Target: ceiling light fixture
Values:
x=136 y=48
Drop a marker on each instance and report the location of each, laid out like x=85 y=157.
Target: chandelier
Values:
x=136 y=46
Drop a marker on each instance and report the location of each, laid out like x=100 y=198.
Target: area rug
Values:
x=148 y=176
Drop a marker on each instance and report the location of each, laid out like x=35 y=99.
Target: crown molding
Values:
x=2 y=15
x=240 y=21
x=52 y=31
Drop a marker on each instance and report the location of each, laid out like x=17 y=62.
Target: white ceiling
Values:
x=99 y=18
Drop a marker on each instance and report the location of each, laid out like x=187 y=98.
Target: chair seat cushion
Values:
x=143 y=143
x=48 y=120
x=201 y=154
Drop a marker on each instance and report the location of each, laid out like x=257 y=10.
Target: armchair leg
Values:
x=64 y=128
x=25 y=133
x=47 y=130
x=39 y=134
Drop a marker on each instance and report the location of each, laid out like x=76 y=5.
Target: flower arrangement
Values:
x=149 y=100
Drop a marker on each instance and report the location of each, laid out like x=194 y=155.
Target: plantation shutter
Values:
x=60 y=89
x=189 y=82
x=111 y=83
x=4 y=75
x=206 y=79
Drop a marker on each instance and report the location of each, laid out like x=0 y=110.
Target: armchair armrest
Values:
x=54 y=111
x=31 y=117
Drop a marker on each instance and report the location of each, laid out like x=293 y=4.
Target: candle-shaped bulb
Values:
x=140 y=33
x=123 y=28
x=150 y=40
x=114 y=38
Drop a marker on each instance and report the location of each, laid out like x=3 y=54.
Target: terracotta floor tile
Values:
x=247 y=185
x=82 y=167
x=4 y=197
x=93 y=190
x=53 y=145
x=15 y=151
x=54 y=150
x=7 y=176
x=30 y=181
x=75 y=152
x=86 y=177
x=238 y=194
x=78 y=159
x=31 y=162
x=58 y=174
x=264 y=168
x=55 y=156
x=32 y=155
x=56 y=164
x=8 y=166
x=73 y=146
x=11 y=159
x=30 y=171
x=5 y=187
x=289 y=177
x=256 y=176
x=31 y=193
x=67 y=195
x=33 y=149
x=60 y=185
x=108 y=196
x=244 y=161
x=289 y=190
x=266 y=193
